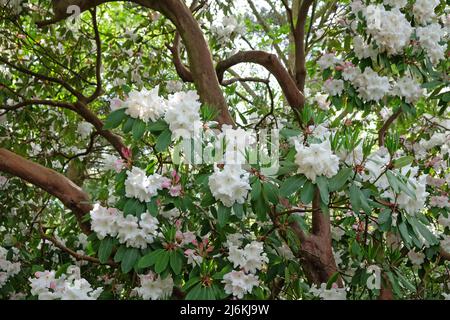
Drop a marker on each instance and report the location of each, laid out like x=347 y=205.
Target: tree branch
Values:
x=98 y=62
x=72 y=196
x=269 y=61
x=385 y=127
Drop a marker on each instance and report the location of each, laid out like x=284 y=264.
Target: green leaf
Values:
x=403 y=228
x=256 y=189
x=339 y=180
x=270 y=192
x=403 y=161
x=355 y=198
x=307 y=193
x=223 y=214
x=138 y=129
x=291 y=185
x=192 y=281
x=393 y=181
x=114 y=119
x=129 y=259
x=163 y=141
x=332 y=280
x=162 y=262
x=105 y=249
x=194 y=293
x=323 y=188
x=120 y=253
x=158 y=126
x=238 y=209
x=176 y=261
x=128 y=125
x=150 y=259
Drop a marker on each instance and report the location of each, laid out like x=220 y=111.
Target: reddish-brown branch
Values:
x=299 y=36
x=385 y=127
x=269 y=61
x=38 y=102
x=72 y=196
x=182 y=70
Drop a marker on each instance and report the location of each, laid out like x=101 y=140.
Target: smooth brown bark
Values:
x=269 y=61
x=71 y=195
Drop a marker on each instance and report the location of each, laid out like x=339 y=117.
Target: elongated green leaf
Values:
x=307 y=193
x=162 y=262
x=128 y=125
x=238 y=210
x=119 y=253
x=291 y=185
x=138 y=129
x=355 y=199
x=114 y=119
x=322 y=183
x=163 y=141
x=403 y=161
x=176 y=261
x=339 y=180
x=129 y=259
x=105 y=249
x=150 y=259
x=223 y=214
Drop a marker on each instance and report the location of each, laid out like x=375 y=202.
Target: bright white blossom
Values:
x=408 y=88
x=140 y=186
x=316 y=160
x=153 y=287
x=8 y=269
x=183 y=113
x=229 y=185
x=370 y=85
x=416 y=258
x=334 y=293
x=145 y=105
x=238 y=283
x=250 y=258
x=390 y=29
x=423 y=10
x=334 y=86
x=429 y=38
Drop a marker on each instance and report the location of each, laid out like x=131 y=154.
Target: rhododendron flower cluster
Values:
x=140 y=186
x=316 y=160
x=229 y=185
x=70 y=286
x=183 y=113
x=145 y=105
x=8 y=268
x=371 y=86
x=154 y=287
x=130 y=230
x=390 y=29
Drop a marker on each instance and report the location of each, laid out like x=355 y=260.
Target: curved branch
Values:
x=98 y=60
x=385 y=127
x=269 y=61
x=184 y=73
x=37 y=102
x=56 y=184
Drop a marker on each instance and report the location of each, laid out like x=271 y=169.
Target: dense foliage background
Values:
x=93 y=106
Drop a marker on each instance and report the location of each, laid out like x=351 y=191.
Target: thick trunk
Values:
x=56 y=184
x=316 y=250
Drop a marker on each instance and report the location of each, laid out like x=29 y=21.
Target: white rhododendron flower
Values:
x=390 y=29
x=145 y=105
x=416 y=258
x=238 y=283
x=327 y=60
x=140 y=186
x=408 y=88
x=316 y=160
x=362 y=49
x=69 y=286
x=153 y=287
x=371 y=86
x=334 y=87
x=229 y=185
x=423 y=10
x=8 y=268
x=250 y=258
x=396 y=3
x=104 y=220
x=429 y=38
x=183 y=114
x=334 y=293
x=411 y=205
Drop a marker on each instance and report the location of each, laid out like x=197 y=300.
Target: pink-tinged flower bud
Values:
x=166 y=183
x=175 y=191
x=176 y=177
